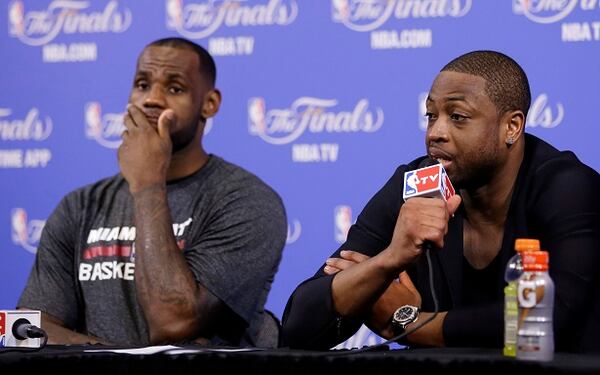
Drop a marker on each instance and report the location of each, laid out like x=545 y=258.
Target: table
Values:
x=75 y=359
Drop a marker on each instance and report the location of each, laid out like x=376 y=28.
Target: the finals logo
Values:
x=39 y=27
x=371 y=16
x=202 y=19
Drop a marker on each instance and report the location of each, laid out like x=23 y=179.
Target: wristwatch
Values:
x=403 y=316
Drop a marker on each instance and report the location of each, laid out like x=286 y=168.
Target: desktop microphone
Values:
x=21 y=329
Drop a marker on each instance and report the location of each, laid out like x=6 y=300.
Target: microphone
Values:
x=21 y=329
x=428 y=180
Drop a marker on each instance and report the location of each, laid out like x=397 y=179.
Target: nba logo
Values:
x=447 y=187
x=25 y=233
x=256 y=116
x=20 y=231
x=411 y=183
x=519 y=6
x=340 y=10
x=343 y=222
x=16 y=18
x=93 y=120
x=174 y=13
x=423 y=120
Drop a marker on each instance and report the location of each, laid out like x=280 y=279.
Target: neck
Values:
x=188 y=160
x=488 y=204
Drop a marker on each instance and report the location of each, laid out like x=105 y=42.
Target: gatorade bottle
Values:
x=535 y=293
x=514 y=269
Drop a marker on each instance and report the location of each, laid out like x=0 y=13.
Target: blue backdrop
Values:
x=321 y=99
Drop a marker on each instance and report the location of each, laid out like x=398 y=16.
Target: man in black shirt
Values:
x=511 y=185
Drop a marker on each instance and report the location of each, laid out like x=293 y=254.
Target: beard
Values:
x=184 y=137
x=476 y=169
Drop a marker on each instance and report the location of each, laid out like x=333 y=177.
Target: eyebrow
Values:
x=455 y=98
x=171 y=76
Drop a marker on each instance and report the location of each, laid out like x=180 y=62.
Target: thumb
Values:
x=165 y=121
x=453 y=203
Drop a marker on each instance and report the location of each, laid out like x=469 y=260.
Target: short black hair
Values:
x=506 y=85
x=208 y=69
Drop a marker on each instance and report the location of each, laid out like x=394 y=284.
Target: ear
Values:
x=513 y=126
x=211 y=103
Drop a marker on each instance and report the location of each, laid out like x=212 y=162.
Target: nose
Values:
x=437 y=131
x=155 y=97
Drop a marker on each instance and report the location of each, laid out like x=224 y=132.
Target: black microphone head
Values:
x=427 y=162
x=19 y=328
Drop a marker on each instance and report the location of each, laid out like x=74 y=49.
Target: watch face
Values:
x=405 y=315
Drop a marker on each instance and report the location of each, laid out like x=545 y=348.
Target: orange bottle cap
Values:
x=527 y=244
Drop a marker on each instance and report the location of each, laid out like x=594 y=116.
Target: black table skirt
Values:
x=63 y=360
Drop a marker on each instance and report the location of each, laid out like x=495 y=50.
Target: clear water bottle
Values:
x=514 y=270
x=535 y=293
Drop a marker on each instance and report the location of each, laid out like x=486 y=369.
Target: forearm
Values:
x=357 y=288
x=165 y=286
x=431 y=334
x=59 y=335
x=310 y=321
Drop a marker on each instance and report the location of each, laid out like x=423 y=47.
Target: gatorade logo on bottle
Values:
x=528 y=294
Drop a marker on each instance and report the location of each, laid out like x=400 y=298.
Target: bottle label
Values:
x=535 y=337
x=529 y=293
x=529 y=344
x=511 y=312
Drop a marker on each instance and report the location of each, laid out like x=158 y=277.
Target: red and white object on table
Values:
x=17 y=328
x=429 y=181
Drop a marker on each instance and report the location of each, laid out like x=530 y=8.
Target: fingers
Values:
x=425 y=219
x=329 y=270
x=128 y=122
x=165 y=121
x=334 y=265
x=421 y=220
x=354 y=256
x=135 y=118
x=348 y=259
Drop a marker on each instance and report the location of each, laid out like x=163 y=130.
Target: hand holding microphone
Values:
x=422 y=222
x=421 y=225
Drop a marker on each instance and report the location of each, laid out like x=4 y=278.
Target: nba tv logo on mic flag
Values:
x=430 y=181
